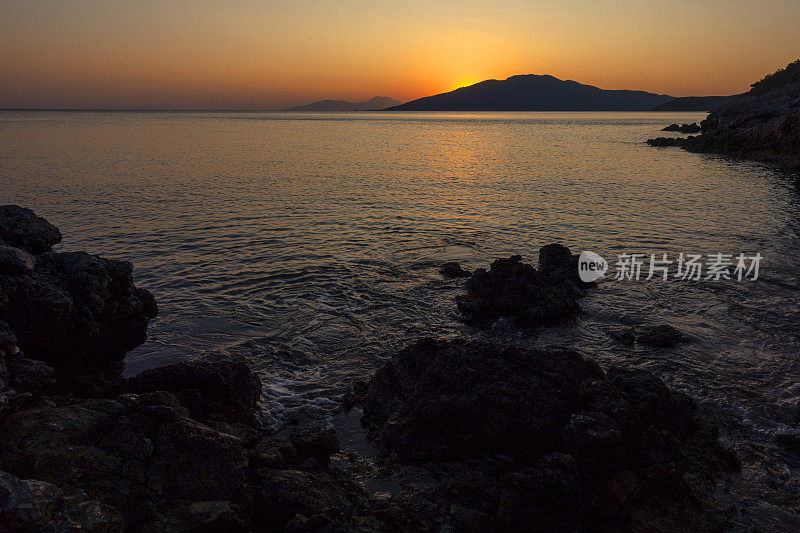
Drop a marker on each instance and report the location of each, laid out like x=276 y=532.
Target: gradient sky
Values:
x=249 y=54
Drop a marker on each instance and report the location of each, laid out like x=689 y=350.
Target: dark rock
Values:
x=135 y=453
x=30 y=374
x=623 y=335
x=667 y=141
x=315 y=442
x=453 y=270
x=516 y=290
x=556 y=257
x=214 y=516
x=22 y=228
x=15 y=260
x=30 y=505
x=354 y=395
x=213 y=384
x=192 y=461
x=683 y=128
x=299 y=500
x=8 y=341
x=788 y=441
x=457 y=400
x=179 y=450
x=77 y=312
x=274 y=452
x=662 y=336
x=545 y=440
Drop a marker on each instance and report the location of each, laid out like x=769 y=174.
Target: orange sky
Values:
x=266 y=54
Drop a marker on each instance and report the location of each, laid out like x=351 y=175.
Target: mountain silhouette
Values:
x=531 y=92
x=694 y=103
x=373 y=104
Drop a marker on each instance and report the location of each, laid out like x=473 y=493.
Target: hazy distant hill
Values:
x=373 y=104
x=694 y=103
x=535 y=93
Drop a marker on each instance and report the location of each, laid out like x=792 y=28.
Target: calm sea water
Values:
x=310 y=243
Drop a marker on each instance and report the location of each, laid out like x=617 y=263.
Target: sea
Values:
x=310 y=244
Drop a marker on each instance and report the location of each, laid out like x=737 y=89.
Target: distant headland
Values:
x=376 y=103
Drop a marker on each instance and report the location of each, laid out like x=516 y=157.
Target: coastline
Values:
x=763 y=126
x=181 y=447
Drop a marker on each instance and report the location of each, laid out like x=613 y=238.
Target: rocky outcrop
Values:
x=146 y=457
x=22 y=228
x=31 y=505
x=545 y=440
x=762 y=124
x=516 y=290
x=666 y=141
x=221 y=387
x=175 y=448
x=76 y=312
x=683 y=128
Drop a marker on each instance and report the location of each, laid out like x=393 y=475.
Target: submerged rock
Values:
x=623 y=335
x=513 y=289
x=662 y=335
x=659 y=336
x=453 y=270
x=667 y=141
x=546 y=438
x=683 y=128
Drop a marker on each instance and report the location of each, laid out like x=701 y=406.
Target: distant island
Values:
x=373 y=104
x=533 y=92
x=695 y=103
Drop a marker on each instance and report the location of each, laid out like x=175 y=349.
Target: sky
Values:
x=248 y=54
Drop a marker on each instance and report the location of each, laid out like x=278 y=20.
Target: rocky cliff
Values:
x=762 y=124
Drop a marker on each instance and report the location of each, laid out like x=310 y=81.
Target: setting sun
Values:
x=466 y=82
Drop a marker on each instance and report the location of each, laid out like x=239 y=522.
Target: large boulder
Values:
x=31 y=505
x=219 y=383
x=77 y=312
x=135 y=453
x=547 y=438
x=22 y=228
x=516 y=290
x=462 y=400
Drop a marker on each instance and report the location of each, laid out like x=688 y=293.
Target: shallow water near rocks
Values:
x=311 y=242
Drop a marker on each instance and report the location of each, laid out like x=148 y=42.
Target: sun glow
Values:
x=465 y=82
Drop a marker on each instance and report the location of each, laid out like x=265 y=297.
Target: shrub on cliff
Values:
x=785 y=76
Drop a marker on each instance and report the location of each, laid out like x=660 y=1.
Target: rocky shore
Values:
x=471 y=435
x=762 y=124
x=515 y=290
